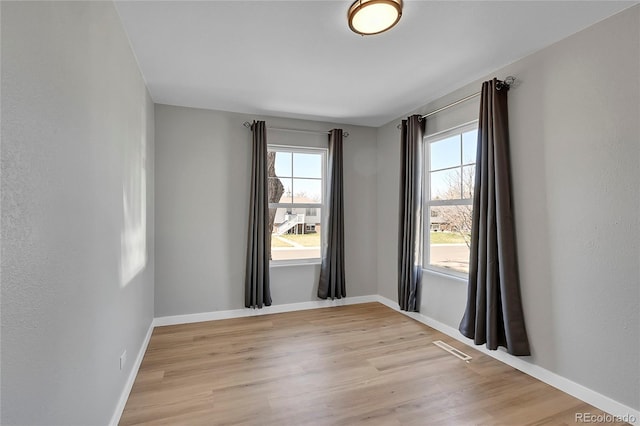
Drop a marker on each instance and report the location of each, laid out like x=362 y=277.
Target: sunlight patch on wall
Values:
x=133 y=239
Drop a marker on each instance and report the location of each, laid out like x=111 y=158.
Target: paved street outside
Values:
x=448 y=256
x=285 y=253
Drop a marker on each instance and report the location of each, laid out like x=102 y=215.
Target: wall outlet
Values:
x=123 y=359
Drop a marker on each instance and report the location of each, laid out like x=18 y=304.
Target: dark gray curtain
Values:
x=332 y=283
x=256 y=282
x=410 y=230
x=494 y=309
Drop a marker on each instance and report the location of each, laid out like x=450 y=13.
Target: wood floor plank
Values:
x=360 y=364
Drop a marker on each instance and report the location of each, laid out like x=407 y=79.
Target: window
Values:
x=296 y=202
x=450 y=177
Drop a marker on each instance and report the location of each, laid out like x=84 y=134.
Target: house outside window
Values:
x=296 y=203
x=450 y=158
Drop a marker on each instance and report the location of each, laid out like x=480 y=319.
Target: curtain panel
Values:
x=332 y=281
x=410 y=224
x=493 y=314
x=256 y=285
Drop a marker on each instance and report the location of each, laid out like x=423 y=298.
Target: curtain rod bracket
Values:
x=508 y=82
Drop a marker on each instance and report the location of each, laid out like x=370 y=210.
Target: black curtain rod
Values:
x=286 y=129
x=506 y=82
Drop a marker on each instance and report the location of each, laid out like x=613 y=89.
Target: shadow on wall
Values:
x=531 y=216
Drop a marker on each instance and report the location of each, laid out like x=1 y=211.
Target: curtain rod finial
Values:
x=246 y=124
x=507 y=83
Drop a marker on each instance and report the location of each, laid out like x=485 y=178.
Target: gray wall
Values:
x=76 y=115
x=76 y=119
x=203 y=170
x=575 y=149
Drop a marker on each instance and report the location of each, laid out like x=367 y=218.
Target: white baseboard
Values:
x=587 y=395
x=115 y=419
x=248 y=312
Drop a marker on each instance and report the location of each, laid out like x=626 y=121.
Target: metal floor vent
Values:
x=453 y=351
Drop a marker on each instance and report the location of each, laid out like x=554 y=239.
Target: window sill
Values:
x=281 y=264
x=452 y=277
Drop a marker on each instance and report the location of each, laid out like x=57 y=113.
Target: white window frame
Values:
x=321 y=206
x=428 y=203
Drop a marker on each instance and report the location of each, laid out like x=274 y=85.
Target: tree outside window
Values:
x=450 y=157
x=296 y=187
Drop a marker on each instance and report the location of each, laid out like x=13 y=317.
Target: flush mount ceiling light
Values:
x=369 y=17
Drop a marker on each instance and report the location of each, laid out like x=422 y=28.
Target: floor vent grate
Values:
x=453 y=351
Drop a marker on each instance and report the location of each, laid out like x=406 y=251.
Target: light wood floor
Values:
x=360 y=364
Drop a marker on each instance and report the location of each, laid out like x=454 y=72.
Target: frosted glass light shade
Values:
x=369 y=17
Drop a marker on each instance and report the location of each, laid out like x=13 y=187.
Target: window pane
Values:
x=446 y=185
x=307 y=191
x=450 y=237
x=283 y=164
x=469 y=145
x=445 y=153
x=307 y=165
x=468 y=181
x=295 y=234
x=280 y=190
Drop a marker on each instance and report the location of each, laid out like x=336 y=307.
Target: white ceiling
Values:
x=299 y=59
